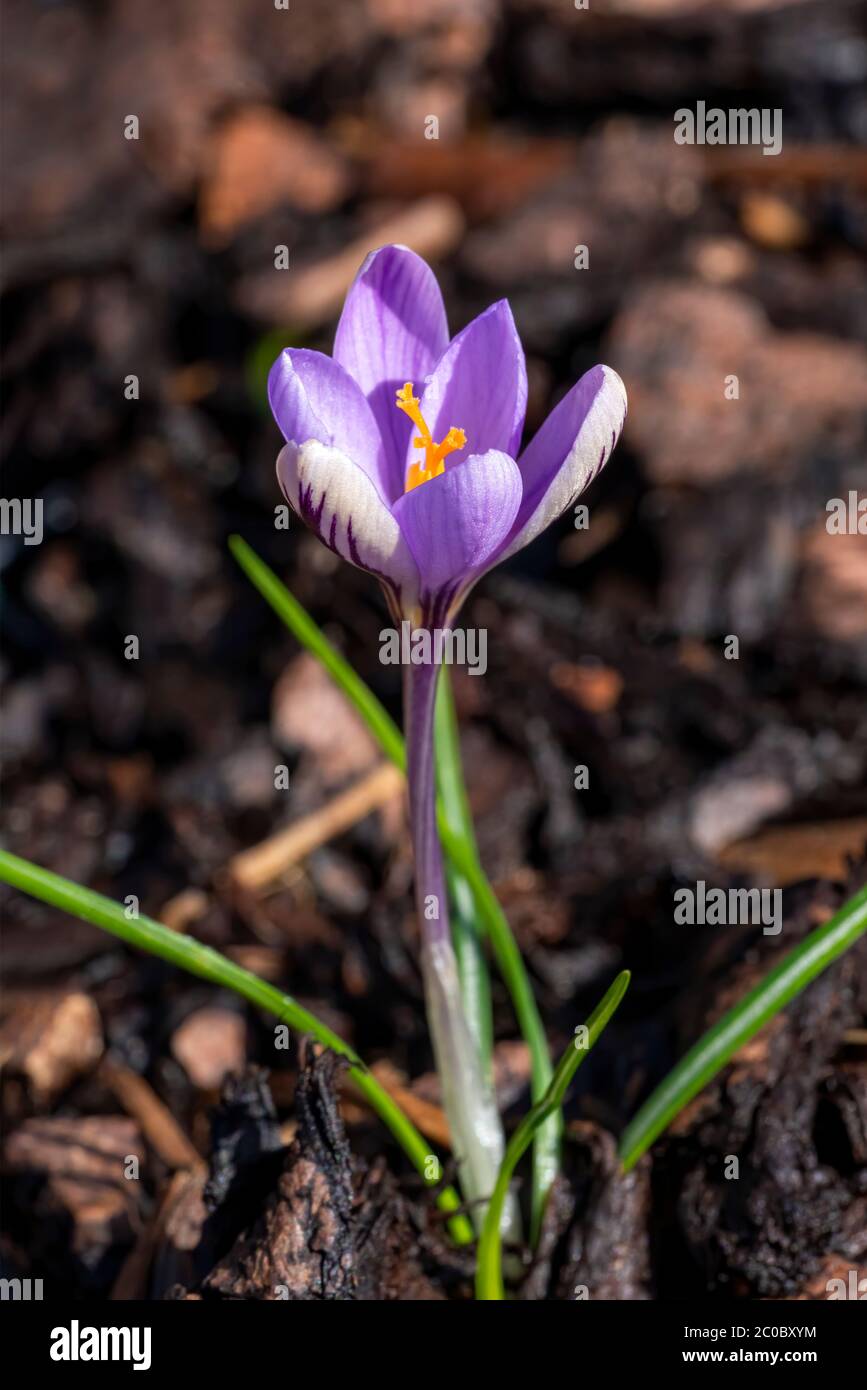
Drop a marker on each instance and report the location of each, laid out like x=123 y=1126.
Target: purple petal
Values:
x=567 y=452
x=455 y=523
x=392 y=330
x=338 y=501
x=479 y=385
x=312 y=397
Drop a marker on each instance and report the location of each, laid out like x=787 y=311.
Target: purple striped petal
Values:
x=392 y=330
x=455 y=524
x=479 y=385
x=340 y=503
x=312 y=397
x=567 y=452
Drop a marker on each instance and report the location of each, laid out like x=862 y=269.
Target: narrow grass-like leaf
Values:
x=311 y=636
x=489 y=1273
x=710 y=1054
x=461 y=856
x=469 y=948
x=199 y=959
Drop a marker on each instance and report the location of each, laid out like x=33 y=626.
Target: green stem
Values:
x=468 y=1100
x=547 y=1139
x=208 y=964
x=469 y=950
x=489 y=1271
x=713 y=1050
x=463 y=858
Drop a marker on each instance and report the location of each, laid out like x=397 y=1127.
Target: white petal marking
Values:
x=338 y=501
x=590 y=451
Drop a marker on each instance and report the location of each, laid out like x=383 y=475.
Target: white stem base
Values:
x=477 y=1133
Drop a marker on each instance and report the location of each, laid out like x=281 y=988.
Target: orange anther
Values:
x=434 y=454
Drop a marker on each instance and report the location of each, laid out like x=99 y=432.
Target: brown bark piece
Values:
x=51 y=1040
x=260 y=159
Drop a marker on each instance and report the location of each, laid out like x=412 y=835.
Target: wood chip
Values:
x=428 y=1118
x=488 y=174
x=595 y=688
x=312 y=294
x=773 y=222
x=676 y=343
x=833 y=584
x=89 y=1182
x=132 y=1281
x=210 y=1045
x=790 y=853
x=51 y=1039
x=185 y=908
x=807 y=165
x=260 y=159
x=309 y=712
x=265 y=863
x=158 y=1124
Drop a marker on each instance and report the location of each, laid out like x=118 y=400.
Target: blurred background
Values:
x=153 y=258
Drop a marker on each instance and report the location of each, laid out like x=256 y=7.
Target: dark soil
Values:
x=259 y=1175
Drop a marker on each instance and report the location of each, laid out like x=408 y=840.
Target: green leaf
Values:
x=462 y=858
x=489 y=1273
x=719 y=1043
x=299 y=622
x=199 y=959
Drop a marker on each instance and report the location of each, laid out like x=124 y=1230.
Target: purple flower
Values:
x=400 y=454
x=401 y=448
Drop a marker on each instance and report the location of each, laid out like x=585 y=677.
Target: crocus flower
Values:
x=401 y=448
x=402 y=454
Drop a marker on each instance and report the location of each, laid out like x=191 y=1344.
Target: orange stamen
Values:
x=434 y=454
